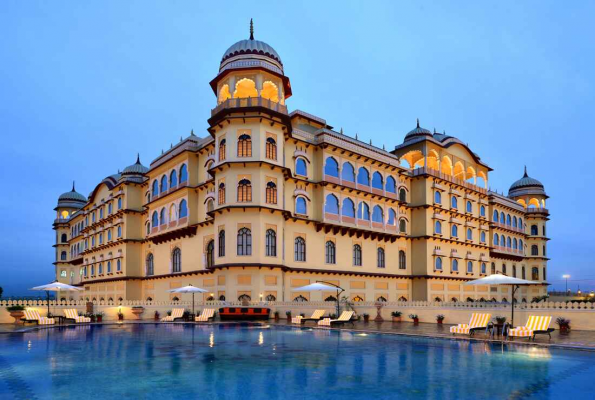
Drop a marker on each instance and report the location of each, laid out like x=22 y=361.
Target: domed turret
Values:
x=417 y=132
x=72 y=199
x=135 y=171
x=528 y=191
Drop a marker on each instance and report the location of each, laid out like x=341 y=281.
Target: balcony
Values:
x=449 y=178
x=543 y=211
x=248 y=102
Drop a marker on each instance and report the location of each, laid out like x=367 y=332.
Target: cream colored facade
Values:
x=270 y=200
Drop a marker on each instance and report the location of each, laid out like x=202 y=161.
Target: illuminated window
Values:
x=222 y=147
x=244 y=191
x=271 y=193
x=244 y=146
x=245 y=88
x=221 y=193
x=270 y=91
x=271 y=149
x=224 y=93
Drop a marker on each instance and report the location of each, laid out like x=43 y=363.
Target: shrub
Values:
x=500 y=320
x=439 y=317
x=15 y=308
x=413 y=316
x=396 y=313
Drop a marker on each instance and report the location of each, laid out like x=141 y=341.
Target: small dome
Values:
x=72 y=199
x=417 y=132
x=525 y=182
x=135 y=169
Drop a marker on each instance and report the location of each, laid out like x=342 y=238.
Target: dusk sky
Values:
x=84 y=86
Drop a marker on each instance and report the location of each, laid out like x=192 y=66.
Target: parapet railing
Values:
x=449 y=178
x=250 y=102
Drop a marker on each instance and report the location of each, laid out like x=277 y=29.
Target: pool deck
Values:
x=579 y=340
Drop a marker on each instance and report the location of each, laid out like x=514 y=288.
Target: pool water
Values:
x=249 y=361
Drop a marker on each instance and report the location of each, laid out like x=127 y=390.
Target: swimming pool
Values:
x=228 y=361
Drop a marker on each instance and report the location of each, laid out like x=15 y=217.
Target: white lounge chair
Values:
x=72 y=314
x=205 y=315
x=478 y=322
x=316 y=316
x=176 y=313
x=344 y=318
x=33 y=316
x=535 y=325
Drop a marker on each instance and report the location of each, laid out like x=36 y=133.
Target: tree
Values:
x=1 y=291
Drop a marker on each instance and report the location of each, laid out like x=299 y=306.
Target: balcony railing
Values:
x=508 y=250
x=449 y=178
x=249 y=102
x=537 y=211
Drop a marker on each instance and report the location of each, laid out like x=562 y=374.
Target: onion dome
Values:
x=250 y=49
x=417 y=132
x=72 y=199
x=135 y=171
x=526 y=185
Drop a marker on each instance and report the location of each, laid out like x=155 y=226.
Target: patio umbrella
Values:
x=322 y=286
x=189 y=289
x=56 y=287
x=499 y=279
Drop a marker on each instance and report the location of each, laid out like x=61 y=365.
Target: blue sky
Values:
x=84 y=86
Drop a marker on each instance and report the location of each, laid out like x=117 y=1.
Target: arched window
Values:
x=455 y=265
x=363 y=211
x=109 y=208
x=534 y=230
x=534 y=274
x=534 y=250
x=331 y=204
x=221 y=193
x=454 y=231
x=163 y=186
x=483 y=268
x=523 y=276
x=482 y=211
x=543 y=230
x=119 y=203
x=118 y=265
x=150 y=267
x=504 y=269
x=162 y=220
x=438 y=227
x=514 y=271
x=482 y=237
x=378 y=214
x=183 y=209
x=392 y=217
x=520 y=223
x=502 y=218
x=514 y=222
x=502 y=241
x=271 y=243
x=348 y=209
x=469 y=267
x=331 y=167
x=357 y=255
x=271 y=149
x=173 y=178
x=469 y=234
x=402 y=260
x=363 y=176
x=330 y=253
x=521 y=248
x=469 y=207
x=403 y=226
x=176 y=260
x=508 y=220
x=100 y=269
x=109 y=234
x=391 y=185
x=508 y=242
x=155 y=219
x=222 y=243
x=183 y=173
x=514 y=244
x=222 y=147
x=244 y=146
x=402 y=195
x=348 y=172
x=64 y=238
x=453 y=202
x=380 y=258
x=244 y=242
x=493 y=268
x=438 y=264
x=271 y=193
x=437 y=197
x=155 y=188
x=300 y=249
x=300 y=167
x=495 y=216
x=210 y=254
x=377 y=180
x=63 y=256
x=244 y=191
x=301 y=206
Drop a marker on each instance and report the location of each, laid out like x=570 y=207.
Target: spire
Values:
x=192 y=132
x=341 y=130
x=251 y=29
x=526 y=175
x=138 y=158
x=418 y=122
x=356 y=136
x=73 y=187
x=434 y=131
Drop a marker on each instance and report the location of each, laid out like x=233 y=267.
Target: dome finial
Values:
x=251 y=29
x=73 y=187
x=525 y=176
x=418 y=122
x=138 y=158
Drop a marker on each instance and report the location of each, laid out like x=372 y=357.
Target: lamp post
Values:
x=566 y=277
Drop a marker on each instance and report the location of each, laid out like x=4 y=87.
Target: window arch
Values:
x=244 y=146
x=176 y=260
x=271 y=193
x=508 y=242
x=523 y=276
x=222 y=148
x=534 y=274
x=454 y=231
x=330 y=252
x=357 y=255
x=377 y=180
x=363 y=176
x=64 y=238
x=300 y=167
x=155 y=219
x=453 y=202
x=183 y=209
x=331 y=167
x=119 y=203
x=155 y=188
x=391 y=184
x=469 y=206
x=221 y=193
x=173 y=178
x=534 y=250
x=437 y=197
x=438 y=227
x=183 y=173
x=482 y=237
x=222 y=243
x=534 y=230
x=515 y=244
x=162 y=219
x=300 y=249
x=508 y=220
x=348 y=209
x=455 y=265
x=504 y=269
x=402 y=226
x=244 y=242
x=392 y=217
x=514 y=222
x=270 y=91
x=502 y=241
x=483 y=268
x=495 y=216
x=403 y=195
x=271 y=243
x=438 y=264
x=363 y=211
x=331 y=205
x=482 y=211
x=163 y=185
x=378 y=214
x=402 y=260
x=469 y=267
x=63 y=256
x=271 y=149
x=380 y=262
x=493 y=268
x=244 y=191
x=210 y=254
x=150 y=267
x=502 y=218
x=469 y=234
x=348 y=172
x=301 y=207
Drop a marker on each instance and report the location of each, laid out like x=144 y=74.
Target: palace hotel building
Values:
x=270 y=200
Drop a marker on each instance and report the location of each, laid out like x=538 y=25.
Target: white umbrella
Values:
x=189 y=289
x=56 y=287
x=321 y=286
x=499 y=279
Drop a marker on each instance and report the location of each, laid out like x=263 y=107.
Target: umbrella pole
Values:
x=514 y=287
x=48 y=294
x=192 y=302
x=338 y=306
